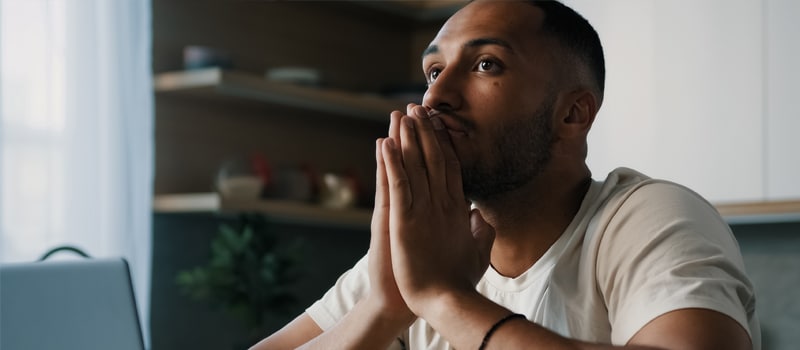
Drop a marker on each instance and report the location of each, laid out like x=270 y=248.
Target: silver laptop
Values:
x=76 y=304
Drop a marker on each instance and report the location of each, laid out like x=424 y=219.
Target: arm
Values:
x=439 y=252
x=295 y=333
x=680 y=329
x=379 y=317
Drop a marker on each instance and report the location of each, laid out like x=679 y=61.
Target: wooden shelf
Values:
x=279 y=210
x=308 y=214
x=760 y=212
x=219 y=82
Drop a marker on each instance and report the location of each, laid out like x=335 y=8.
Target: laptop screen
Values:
x=76 y=304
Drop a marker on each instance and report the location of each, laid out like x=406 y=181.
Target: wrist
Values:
x=462 y=316
x=443 y=302
x=387 y=314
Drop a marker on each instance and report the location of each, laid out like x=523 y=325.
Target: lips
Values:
x=450 y=121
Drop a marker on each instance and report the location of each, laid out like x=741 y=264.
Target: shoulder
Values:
x=662 y=247
x=651 y=218
x=636 y=204
x=664 y=221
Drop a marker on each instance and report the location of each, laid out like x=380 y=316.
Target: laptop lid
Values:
x=75 y=304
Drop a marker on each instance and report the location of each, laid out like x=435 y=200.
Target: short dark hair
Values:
x=576 y=36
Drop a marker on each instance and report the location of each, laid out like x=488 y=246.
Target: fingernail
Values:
x=437 y=123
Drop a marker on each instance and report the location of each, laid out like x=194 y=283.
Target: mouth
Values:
x=451 y=121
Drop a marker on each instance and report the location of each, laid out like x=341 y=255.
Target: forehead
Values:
x=514 y=22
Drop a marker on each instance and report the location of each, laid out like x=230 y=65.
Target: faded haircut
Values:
x=573 y=33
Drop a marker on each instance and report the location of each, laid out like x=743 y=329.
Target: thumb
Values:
x=483 y=234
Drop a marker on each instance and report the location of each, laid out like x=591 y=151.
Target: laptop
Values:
x=77 y=304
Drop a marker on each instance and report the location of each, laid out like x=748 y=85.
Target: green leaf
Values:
x=248 y=273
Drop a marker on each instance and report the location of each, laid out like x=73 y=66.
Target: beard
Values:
x=520 y=153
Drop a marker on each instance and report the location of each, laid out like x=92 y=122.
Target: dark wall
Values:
x=771 y=255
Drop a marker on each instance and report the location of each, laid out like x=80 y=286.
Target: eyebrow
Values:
x=471 y=44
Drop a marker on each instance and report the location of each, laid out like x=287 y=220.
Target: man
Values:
x=514 y=88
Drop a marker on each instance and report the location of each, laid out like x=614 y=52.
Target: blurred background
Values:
x=216 y=138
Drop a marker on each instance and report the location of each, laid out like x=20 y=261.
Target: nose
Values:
x=445 y=93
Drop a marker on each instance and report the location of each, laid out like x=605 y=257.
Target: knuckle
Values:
x=380 y=207
x=420 y=165
x=399 y=183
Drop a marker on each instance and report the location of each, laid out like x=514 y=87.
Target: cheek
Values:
x=488 y=97
x=492 y=105
x=497 y=93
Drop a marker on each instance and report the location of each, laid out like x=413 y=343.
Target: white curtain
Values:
x=76 y=131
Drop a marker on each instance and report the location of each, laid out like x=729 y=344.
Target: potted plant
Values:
x=247 y=275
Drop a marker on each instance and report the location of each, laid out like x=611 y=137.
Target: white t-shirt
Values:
x=637 y=249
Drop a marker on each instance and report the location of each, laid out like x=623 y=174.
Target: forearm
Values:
x=465 y=318
x=364 y=327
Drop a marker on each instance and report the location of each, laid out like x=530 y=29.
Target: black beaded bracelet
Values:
x=495 y=327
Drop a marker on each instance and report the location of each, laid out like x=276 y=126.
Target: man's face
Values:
x=488 y=76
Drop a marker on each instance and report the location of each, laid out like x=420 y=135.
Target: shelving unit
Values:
x=216 y=82
x=308 y=214
x=279 y=210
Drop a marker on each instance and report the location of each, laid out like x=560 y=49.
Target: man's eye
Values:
x=486 y=65
x=433 y=74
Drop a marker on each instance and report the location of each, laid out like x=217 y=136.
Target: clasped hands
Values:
x=425 y=240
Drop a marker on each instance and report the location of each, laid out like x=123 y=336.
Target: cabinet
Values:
x=685 y=94
x=700 y=95
x=783 y=116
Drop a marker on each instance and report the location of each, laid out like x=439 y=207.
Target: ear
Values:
x=581 y=109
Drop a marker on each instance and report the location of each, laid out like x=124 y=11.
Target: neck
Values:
x=527 y=221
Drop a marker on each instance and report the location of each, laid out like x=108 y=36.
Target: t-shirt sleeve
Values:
x=665 y=249
x=340 y=299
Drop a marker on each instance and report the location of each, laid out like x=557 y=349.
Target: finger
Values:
x=380 y=259
x=394 y=125
x=410 y=107
x=484 y=235
x=400 y=198
x=380 y=214
x=452 y=164
x=432 y=154
x=413 y=160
